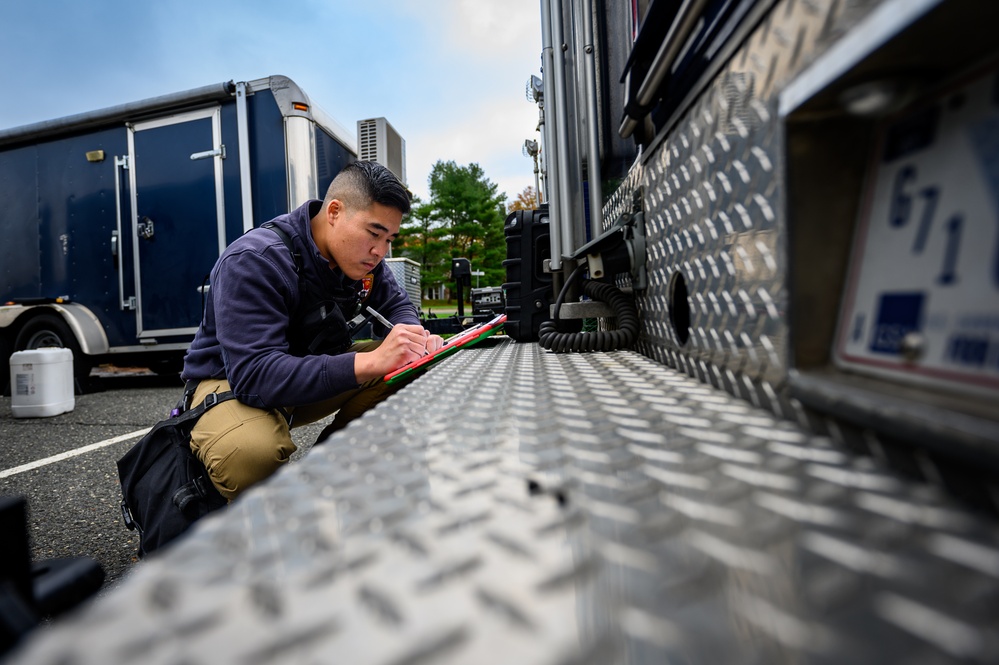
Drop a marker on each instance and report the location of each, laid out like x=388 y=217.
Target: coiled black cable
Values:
x=602 y=340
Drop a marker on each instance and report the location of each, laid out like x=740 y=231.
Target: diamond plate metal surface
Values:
x=712 y=193
x=517 y=506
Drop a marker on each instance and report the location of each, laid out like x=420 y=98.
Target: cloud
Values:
x=489 y=135
x=471 y=105
x=493 y=31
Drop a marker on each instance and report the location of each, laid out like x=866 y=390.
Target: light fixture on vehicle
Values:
x=878 y=98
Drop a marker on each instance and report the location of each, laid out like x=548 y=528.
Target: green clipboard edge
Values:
x=412 y=370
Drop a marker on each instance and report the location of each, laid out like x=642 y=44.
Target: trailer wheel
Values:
x=5 y=352
x=168 y=366
x=50 y=330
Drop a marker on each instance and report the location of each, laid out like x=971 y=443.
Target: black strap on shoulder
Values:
x=286 y=239
x=321 y=324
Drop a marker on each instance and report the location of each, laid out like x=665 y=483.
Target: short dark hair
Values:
x=360 y=184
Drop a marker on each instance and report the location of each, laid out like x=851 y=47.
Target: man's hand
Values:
x=434 y=342
x=404 y=344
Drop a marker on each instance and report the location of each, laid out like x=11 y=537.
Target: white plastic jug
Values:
x=41 y=382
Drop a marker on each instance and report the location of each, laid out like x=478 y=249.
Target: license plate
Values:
x=921 y=303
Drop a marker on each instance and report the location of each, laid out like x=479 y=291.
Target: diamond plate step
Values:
x=513 y=505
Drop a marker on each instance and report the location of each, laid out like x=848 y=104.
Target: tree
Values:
x=526 y=200
x=464 y=218
x=420 y=239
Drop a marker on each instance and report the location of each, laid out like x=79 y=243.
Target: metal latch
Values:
x=144 y=227
x=217 y=152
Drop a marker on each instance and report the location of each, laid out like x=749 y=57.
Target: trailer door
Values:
x=177 y=218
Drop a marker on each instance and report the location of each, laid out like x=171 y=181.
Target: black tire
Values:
x=50 y=330
x=5 y=351
x=168 y=366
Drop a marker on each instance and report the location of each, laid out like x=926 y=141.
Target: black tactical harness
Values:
x=325 y=319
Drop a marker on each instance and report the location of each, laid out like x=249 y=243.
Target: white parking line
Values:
x=72 y=453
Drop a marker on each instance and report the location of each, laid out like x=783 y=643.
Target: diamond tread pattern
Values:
x=513 y=505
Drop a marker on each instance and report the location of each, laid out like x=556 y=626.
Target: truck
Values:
x=807 y=199
x=113 y=219
x=794 y=460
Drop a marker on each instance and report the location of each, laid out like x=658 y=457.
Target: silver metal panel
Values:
x=579 y=508
x=120 y=164
x=300 y=155
x=85 y=325
x=286 y=93
x=712 y=191
x=716 y=193
x=243 y=139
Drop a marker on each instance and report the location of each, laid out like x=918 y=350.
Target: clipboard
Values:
x=462 y=340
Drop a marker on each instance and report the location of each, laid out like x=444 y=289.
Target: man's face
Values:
x=360 y=239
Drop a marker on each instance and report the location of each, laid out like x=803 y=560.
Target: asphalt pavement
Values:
x=74 y=503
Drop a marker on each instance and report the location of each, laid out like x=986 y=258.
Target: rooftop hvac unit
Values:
x=407 y=274
x=377 y=141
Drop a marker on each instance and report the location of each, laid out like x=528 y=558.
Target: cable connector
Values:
x=619 y=249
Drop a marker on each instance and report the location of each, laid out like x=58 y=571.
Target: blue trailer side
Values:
x=114 y=218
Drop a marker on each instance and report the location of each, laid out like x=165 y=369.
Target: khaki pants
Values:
x=241 y=445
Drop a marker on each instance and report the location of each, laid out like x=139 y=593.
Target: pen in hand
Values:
x=385 y=322
x=381 y=319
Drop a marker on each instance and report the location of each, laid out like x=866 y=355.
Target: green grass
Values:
x=443 y=309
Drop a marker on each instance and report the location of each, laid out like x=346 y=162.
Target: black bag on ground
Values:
x=165 y=488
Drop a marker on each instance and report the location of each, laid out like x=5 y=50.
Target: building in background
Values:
x=377 y=141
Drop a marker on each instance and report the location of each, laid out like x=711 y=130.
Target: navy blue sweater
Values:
x=253 y=297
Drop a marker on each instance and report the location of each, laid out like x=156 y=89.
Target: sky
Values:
x=449 y=75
